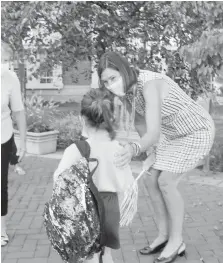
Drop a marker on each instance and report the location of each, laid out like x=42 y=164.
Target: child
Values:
x=97 y=108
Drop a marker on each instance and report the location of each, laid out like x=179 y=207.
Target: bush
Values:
x=69 y=128
x=40 y=114
x=43 y=116
x=216 y=157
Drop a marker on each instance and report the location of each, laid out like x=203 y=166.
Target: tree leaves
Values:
x=145 y=31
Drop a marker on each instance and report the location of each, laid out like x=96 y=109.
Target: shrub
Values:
x=43 y=116
x=40 y=114
x=69 y=128
x=216 y=157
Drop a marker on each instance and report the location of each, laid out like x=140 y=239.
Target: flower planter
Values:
x=39 y=143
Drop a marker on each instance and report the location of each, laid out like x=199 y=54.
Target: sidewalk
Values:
x=203 y=229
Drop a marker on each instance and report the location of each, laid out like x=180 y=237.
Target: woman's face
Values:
x=113 y=81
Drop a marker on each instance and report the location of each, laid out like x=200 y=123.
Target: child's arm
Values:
x=123 y=175
x=70 y=157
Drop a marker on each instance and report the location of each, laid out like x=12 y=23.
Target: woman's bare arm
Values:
x=153 y=103
x=21 y=123
x=150 y=133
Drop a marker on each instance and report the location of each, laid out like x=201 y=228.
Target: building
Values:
x=60 y=83
x=62 y=86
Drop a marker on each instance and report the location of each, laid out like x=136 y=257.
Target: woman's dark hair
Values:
x=97 y=106
x=117 y=62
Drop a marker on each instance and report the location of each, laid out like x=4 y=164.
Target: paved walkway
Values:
x=203 y=229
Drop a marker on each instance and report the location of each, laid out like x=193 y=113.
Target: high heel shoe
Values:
x=181 y=251
x=149 y=251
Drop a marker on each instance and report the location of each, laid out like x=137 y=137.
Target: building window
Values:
x=47 y=77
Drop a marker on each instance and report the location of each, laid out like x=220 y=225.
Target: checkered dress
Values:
x=187 y=129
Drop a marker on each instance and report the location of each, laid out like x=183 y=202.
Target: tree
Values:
x=144 y=31
x=205 y=53
x=14 y=29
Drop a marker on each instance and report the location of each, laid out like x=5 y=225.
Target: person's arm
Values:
x=17 y=108
x=21 y=123
x=70 y=157
x=153 y=103
x=151 y=136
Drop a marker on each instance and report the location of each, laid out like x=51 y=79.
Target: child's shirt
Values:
x=107 y=177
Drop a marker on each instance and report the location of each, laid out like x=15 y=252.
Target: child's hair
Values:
x=97 y=106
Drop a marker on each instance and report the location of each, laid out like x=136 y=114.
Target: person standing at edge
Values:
x=10 y=95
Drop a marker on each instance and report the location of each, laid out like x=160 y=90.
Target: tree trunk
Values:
x=22 y=74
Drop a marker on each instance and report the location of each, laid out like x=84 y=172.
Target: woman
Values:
x=10 y=95
x=159 y=106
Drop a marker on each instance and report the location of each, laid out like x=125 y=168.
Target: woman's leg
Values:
x=107 y=258
x=5 y=156
x=159 y=208
x=168 y=183
x=13 y=156
x=14 y=159
x=3 y=225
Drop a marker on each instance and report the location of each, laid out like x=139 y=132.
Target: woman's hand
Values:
x=21 y=151
x=124 y=156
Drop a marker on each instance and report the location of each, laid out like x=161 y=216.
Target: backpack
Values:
x=74 y=216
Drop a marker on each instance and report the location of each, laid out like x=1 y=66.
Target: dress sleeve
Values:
x=15 y=98
x=70 y=157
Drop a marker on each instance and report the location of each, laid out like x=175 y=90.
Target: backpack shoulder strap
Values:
x=85 y=150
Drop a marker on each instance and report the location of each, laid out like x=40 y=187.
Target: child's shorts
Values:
x=112 y=219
